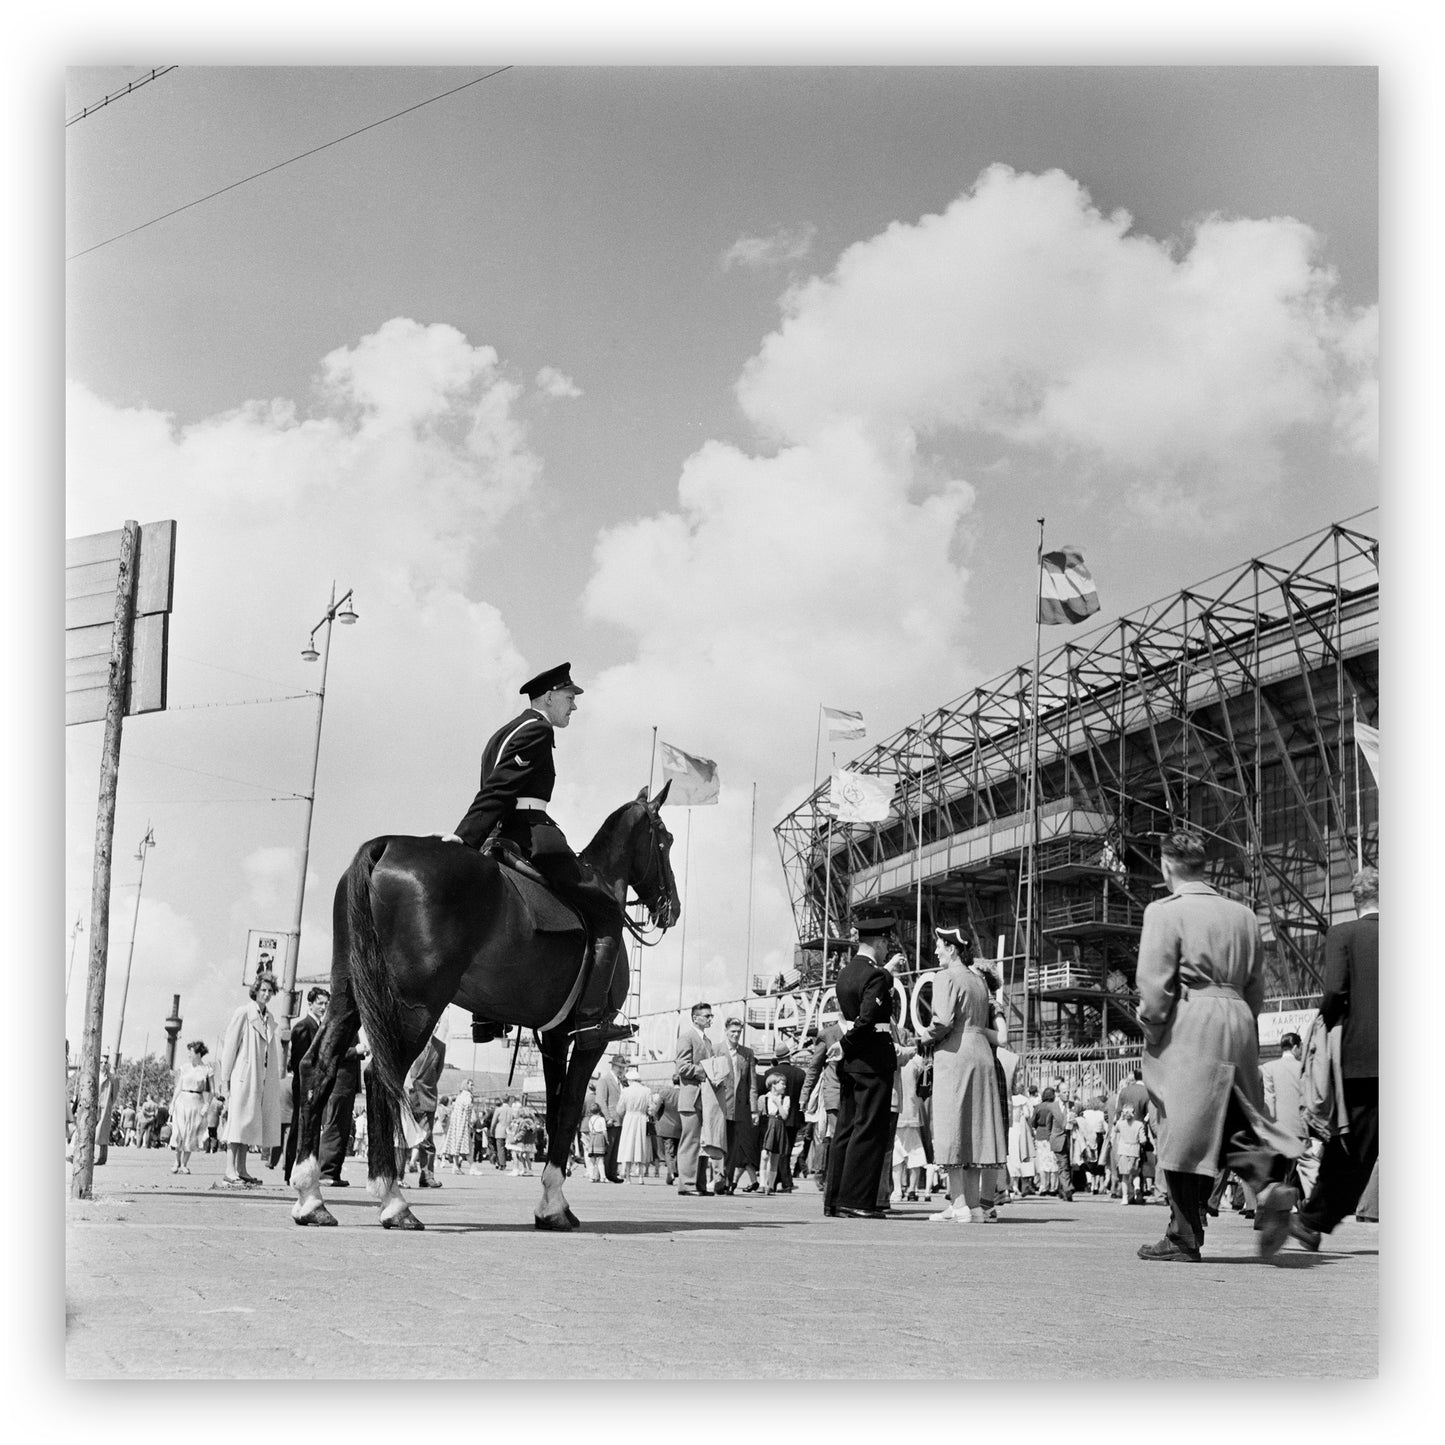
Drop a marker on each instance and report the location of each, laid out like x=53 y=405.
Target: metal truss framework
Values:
x=1228 y=706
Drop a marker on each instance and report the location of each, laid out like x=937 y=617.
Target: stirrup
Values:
x=604 y=1030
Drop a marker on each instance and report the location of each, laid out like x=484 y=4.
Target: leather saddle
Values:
x=545 y=911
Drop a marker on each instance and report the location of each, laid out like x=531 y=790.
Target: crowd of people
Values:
x=870 y=1115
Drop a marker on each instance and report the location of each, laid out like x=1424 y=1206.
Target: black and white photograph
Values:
x=648 y=629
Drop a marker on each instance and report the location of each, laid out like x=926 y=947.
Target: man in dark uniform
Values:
x=338 y=1120
x=303 y=1033
x=866 y=1065
x=1351 y=998
x=518 y=775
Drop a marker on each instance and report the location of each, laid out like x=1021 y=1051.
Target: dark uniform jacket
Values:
x=866 y=1000
x=1352 y=994
x=516 y=763
x=303 y=1031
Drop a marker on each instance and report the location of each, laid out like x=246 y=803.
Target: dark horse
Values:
x=418 y=924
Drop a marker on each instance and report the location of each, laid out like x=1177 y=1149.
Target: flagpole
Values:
x=1359 y=816
x=1033 y=783
x=652 y=760
x=686 y=879
x=748 y=961
x=918 y=869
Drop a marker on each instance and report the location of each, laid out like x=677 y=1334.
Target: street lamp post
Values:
x=146 y=844
x=342 y=611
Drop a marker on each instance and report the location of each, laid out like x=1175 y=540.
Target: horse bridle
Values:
x=652 y=877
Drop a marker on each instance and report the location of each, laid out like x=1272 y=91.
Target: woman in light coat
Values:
x=251 y=1078
x=968 y=1130
x=635 y=1104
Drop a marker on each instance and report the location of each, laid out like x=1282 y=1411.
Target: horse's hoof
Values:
x=320 y=1215
x=572 y=1219
x=405 y=1220
x=556 y=1223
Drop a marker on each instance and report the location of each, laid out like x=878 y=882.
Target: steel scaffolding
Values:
x=1229 y=706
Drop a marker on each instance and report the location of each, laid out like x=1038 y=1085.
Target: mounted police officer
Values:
x=518 y=775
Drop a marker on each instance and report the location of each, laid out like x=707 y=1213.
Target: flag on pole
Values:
x=844 y=724
x=1367 y=739
x=1066 y=590
x=859 y=797
x=694 y=780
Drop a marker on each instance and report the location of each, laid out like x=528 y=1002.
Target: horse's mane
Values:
x=609 y=826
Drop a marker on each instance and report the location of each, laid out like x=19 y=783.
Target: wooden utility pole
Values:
x=118 y=684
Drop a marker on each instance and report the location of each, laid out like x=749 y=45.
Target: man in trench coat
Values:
x=1201 y=985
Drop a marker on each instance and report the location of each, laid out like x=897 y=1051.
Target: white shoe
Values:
x=946 y=1215
x=976 y=1216
x=896 y=1197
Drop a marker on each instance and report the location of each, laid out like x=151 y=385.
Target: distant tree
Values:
x=158 y=1081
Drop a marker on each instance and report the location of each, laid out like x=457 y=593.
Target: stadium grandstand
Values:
x=1230 y=707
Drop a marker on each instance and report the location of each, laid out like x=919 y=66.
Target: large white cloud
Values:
x=1024 y=313
x=416 y=446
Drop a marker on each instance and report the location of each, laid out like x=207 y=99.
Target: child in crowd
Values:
x=596 y=1131
x=775 y=1129
x=1128 y=1141
x=522 y=1140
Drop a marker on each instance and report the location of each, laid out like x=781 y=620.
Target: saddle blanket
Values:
x=546 y=912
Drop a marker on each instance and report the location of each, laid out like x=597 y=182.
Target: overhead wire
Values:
x=246 y=180
x=125 y=90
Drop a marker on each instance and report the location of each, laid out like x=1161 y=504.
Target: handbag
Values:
x=925 y=1079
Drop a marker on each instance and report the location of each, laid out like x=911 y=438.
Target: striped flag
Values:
x=1066 y=590
x=859 y=797
x=694 y=780
x=1367 y=739
x=844 y=724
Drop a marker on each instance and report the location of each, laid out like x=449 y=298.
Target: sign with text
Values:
x=265 y=952
x=92 y=569
x=1274 y=1026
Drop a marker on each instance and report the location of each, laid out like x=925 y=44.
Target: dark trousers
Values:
x=609 y=1164
x=336 y=1125
x=785 y=1159
x=426 y=1154
x=1348 y=1161
x=667 y=1151
x=865 y=1089
x=1240 y=1150
x=288 y=1153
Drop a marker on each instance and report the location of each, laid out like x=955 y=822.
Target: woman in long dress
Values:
x=194 y=1086
x=459 y=1129
x=632 y=1152
x=968 y=1132
x=251 y=1077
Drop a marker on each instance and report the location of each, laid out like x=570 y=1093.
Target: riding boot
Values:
x=594 y=1021
x=484 y=1030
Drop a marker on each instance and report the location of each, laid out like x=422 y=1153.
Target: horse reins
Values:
x=637 y=930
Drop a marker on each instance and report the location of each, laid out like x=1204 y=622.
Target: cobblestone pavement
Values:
x=168 y=1278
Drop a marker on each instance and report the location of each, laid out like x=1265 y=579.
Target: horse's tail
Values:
x=377 y=1002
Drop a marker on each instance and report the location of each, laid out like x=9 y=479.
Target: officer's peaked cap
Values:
x=875 y=927
x=559 y=676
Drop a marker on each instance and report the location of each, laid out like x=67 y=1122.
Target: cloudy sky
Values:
x=739 y=389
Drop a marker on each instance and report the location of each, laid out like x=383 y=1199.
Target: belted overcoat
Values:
x=1201 y=985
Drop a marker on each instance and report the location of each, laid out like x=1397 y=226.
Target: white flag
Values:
x=844 y=724
x=694 y=780
x=859 y=797
x=1367 y=739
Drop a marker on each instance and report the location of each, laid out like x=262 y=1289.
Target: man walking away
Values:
x=1351 y=998
x=1201 y=985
